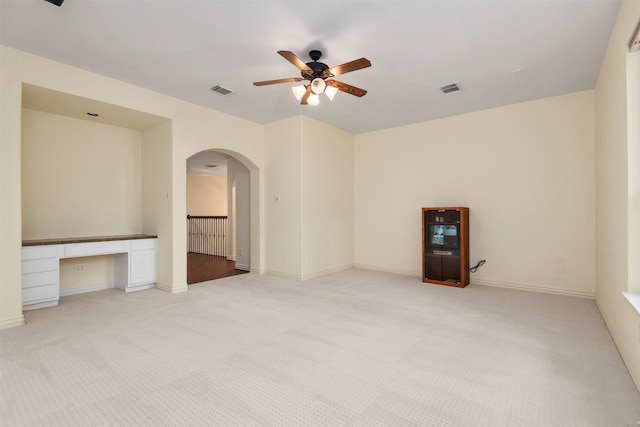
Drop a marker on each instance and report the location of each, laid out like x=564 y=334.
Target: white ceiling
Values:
x=208 y=162
x=501 y=52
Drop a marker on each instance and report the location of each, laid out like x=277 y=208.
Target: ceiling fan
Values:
x=320 y=77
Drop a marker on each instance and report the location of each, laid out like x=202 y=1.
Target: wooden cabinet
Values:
x=445 y=246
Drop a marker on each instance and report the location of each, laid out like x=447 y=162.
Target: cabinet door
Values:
x=143 y=267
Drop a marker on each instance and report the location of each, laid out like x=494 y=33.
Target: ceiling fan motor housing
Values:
x=317 y=68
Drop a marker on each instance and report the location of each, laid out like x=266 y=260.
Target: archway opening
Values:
x=218 y=216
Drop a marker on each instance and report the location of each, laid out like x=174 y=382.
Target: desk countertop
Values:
x=66 y=240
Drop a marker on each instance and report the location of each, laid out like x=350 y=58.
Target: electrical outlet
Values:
x=241 y=251
x=80 y=267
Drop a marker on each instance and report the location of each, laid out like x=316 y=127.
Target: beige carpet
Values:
x=350 y=349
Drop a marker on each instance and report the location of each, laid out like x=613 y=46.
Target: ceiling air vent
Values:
x=450 y=89
x=222 y=90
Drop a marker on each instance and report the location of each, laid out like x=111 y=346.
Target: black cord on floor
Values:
x=478 y=265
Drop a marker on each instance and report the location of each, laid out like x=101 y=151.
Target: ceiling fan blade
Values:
x=305 y=97
x=272 y=82
x=351 y=90
x=357 y=64
x=291 y=57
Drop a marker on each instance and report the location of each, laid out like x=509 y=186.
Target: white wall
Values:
x=206 y=195
x=327 y=199
x=526 y=173
x=617 y=194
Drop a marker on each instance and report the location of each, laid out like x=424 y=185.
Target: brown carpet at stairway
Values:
x=201 y=268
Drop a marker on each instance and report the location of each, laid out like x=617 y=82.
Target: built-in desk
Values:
x=135 y=264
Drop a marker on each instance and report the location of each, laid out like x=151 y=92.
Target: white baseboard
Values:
x=520 y=286
x=535 y=288
x=89 y=288
x=283 y=275
x=326 y=272
x=389 y=270
x=242 y=267
x=624 y=353
x=172 y=289
x=12 y=323
x=302 y=278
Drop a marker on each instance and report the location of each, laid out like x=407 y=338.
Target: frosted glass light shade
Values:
x=313 y=99
x=318 y=85
x=298 y=91
x=331 y=91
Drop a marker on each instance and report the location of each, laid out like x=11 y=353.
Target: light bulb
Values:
x=298 y=91
x=313 y=99
x=318 y=85
x=331 y=91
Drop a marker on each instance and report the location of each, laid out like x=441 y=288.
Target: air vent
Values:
x=450 y=89
x=222 y=90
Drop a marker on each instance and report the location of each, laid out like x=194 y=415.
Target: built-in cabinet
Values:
x=445 y=246
x=135 y=265
x=40 y=276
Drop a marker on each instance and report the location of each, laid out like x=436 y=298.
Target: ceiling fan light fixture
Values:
x=315 y=74
x=298 y=91
x=331 y=91
x=318 y=85
x=313 y=99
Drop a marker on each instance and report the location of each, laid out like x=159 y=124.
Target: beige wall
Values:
x=283 y=198
x=327 y=201
x=79 y=179
x=617 y=255
x=157 y=213
x=239 y=223
x=188 y=130
x=526 y=173
x=309 y=209
x=206 y=195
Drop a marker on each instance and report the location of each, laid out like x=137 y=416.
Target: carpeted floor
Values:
x=350 y=349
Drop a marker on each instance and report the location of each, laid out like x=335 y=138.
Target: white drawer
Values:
x=39 y=279
x=141 y=244
x=32 y=295
x=38 y=265
x=36 y=252
x=95 y=248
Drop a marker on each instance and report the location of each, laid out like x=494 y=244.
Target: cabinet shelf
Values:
x=445 y=246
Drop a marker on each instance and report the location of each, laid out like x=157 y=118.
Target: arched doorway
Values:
x=218 y=216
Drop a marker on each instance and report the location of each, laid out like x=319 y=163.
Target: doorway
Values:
x=218 y=224
x=202 y=268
